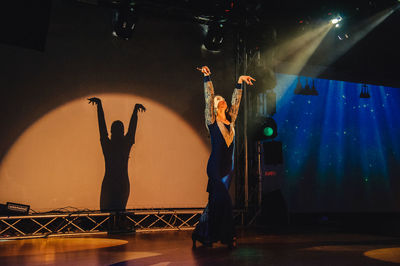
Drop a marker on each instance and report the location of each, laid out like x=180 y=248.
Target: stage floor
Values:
x=175 y=248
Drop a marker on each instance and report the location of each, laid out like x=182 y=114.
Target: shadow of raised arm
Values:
x=133 y=123
x=100 y=117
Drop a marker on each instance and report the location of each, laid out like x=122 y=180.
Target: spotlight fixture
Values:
x=364 y=92
x=267 y=129
x=336 y=20
x=272 y=149
x=343 y=36
x=124 y=19
x=215 y=36
x=307 y=90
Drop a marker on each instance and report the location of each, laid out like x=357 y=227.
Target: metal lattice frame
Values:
x=43 y=225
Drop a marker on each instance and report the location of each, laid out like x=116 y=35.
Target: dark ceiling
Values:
x=372 y=60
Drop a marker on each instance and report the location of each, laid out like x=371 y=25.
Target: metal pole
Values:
x=246 y=165
x=259 y=174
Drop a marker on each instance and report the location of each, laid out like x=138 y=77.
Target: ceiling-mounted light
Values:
x=124 y=19
x=215 y=36
x=336 y=20
x=364 y=92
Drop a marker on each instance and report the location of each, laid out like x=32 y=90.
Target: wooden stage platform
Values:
x=175 y=248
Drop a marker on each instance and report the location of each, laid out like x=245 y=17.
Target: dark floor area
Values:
x=255 y=247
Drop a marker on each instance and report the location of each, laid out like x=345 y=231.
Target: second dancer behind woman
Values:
x=216 y=222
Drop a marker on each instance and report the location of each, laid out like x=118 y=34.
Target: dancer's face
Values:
x=222 y=106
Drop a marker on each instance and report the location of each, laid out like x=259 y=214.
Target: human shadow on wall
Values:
x=115 y=188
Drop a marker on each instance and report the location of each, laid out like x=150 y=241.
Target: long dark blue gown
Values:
x=216 y=222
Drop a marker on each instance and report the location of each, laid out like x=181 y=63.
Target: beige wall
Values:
x=58 y=162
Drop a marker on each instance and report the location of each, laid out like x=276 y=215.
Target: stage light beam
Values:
x=358 y=32
x=293 y=55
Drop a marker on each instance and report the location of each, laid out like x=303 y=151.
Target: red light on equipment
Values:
x=270 y=173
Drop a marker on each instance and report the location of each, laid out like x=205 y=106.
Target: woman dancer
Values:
x=216 y=222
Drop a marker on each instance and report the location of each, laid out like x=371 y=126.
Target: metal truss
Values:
x=44 y=225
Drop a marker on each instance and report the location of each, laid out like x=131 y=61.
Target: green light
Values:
x=268 y=131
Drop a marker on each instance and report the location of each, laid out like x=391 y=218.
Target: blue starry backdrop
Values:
x=341 y=152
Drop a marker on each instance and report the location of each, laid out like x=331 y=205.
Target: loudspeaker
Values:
x=13 y=209
x=272 y=151
x=274 y=209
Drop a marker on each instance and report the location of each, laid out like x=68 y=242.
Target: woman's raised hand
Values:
x=205 y=70
x=246 y=79
x=94 y=100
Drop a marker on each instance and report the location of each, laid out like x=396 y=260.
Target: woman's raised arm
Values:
x=237 y=96
x=208 y=96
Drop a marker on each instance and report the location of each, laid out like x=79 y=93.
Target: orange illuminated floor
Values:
x=175 y=248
